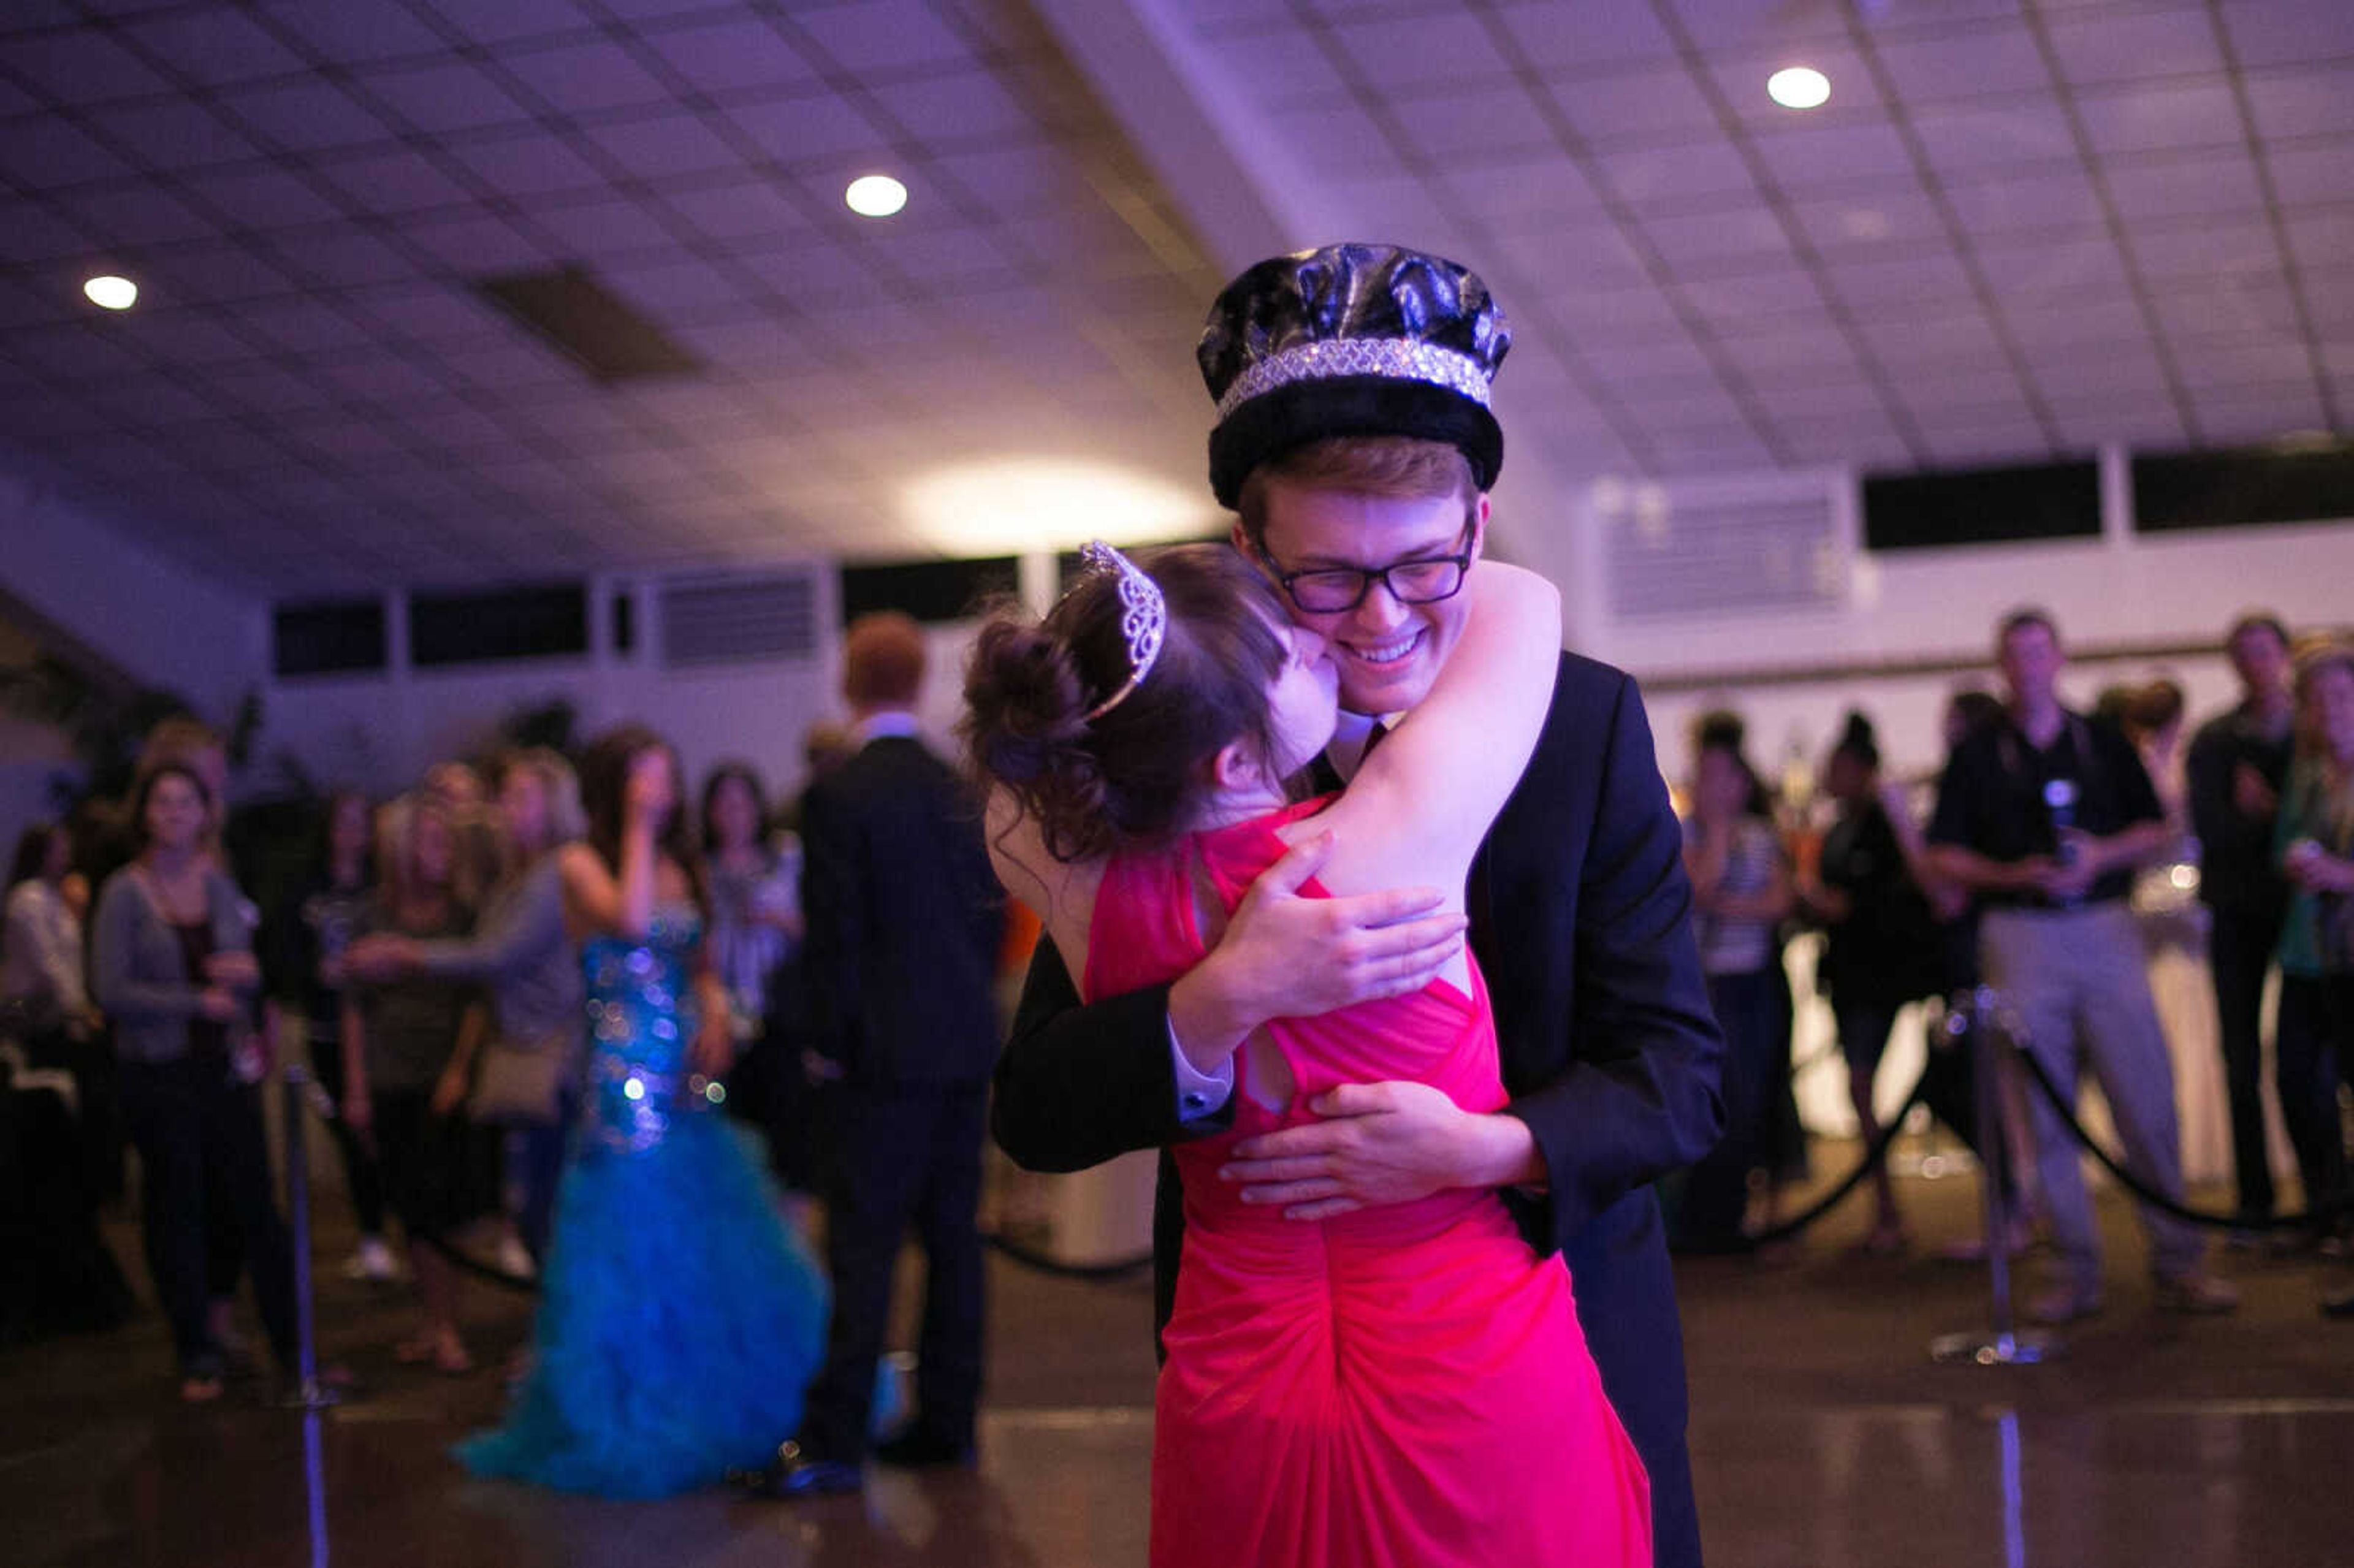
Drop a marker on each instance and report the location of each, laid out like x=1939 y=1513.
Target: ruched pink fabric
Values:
x=1405 y=1385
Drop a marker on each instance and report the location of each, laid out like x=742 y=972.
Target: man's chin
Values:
x=1386 y=692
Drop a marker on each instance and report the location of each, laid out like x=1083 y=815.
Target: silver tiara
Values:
x=1143 y=619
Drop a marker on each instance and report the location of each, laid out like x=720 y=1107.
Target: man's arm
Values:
x=2207 y=772
x=1078 y=1085
x=833 y=903
x=1641 y=1096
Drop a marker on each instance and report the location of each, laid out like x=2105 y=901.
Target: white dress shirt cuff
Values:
x=1199 y=1094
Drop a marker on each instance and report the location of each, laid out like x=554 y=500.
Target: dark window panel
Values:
x=2243 y=489
x=928 y=590
x=548 y=620
x=328 y=639
x=1982 y=506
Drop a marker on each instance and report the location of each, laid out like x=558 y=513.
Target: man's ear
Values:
x=1242 y=541
x=1480 y=525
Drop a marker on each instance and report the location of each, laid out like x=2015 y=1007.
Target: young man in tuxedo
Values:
x=1354 y=440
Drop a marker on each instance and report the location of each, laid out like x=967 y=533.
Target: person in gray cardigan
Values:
x=528 y=1080
x=172 y=965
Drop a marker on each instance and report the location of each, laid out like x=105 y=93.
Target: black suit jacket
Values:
x=903 y=918
x=1581 y=920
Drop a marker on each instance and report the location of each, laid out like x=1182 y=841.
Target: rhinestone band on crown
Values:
x=1395 y=358
x=1143 y=619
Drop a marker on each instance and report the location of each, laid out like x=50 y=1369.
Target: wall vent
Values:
x=1670 y=551
x=739 y=619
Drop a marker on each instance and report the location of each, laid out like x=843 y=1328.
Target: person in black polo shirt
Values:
x=2046 y=816
x=2238 y=766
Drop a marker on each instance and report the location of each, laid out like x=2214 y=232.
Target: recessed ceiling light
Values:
x=875 y=196
x=1799 y=87
x=111 y=292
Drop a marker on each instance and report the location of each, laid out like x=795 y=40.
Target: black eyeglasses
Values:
x=1330 y=590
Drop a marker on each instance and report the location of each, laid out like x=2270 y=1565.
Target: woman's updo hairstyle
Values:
x=1132 y=776
x=1860 y=740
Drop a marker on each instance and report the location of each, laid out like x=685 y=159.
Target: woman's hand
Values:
x=647 y=796
x=359 y=1115
x=449 y=1091
x=218 y=1003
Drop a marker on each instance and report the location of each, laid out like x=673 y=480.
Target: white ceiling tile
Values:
x=475 y=245
x=1591 y=255
x=443 y=96
x=1923 y=280
x=528 y=164
x=1678 y=176
x=2320 y=240
x=1522 y=197
x=729 y=55
x=1748 y=233
x=1997 y=59
x=2123 y=370
x=2257 y=413
x=1770 y=300
x=1502 y=122
x=214 y=49
x=133 y=216
x=178 y=134
x=964 y=106
x=262 y=198
x=1960 y=338
x=2242 y=359
x=2009 y=203
x=2280 y=34
x=1648 y=103
x=585 y=77
x=1810 y=158
x=2122 y=46
x=1720 y=24
x=350 y=34
x=800 y=130
x=2197 y=186
x=2202 y=249
x=663 y=149
x=504 y=21
x=42 y=154
x=2150 y=117
x=2329 y=297
x=2257 y=303
x=746 y=211
x=1413 y=52
x=1276 y=68
x=81 y=66
x=394 y=180
x=2310 y=171
x=304 y=116
x=882 y=35
x=336 y=258
x=2313 y=102
x=1984 y=138
x=2086 y=263
x=1593 y=35
x=1892 y=217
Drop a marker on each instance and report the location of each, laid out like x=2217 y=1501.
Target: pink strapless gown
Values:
x=1402 y=1386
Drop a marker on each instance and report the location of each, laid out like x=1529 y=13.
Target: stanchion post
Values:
x=1976 y=1020
x=310 y=1394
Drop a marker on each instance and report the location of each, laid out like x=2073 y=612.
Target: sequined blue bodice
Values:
x=641 y=1022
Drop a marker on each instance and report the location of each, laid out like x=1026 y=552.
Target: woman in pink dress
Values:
x=1395 y=1385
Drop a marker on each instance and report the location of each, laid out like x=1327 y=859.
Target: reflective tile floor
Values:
x=1822 y=1435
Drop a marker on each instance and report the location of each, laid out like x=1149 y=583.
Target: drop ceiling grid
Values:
x=2148 y=231
x=527 y=405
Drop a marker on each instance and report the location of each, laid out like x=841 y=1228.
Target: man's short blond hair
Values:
x=1397 y=466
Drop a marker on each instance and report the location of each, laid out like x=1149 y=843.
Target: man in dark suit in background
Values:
x=1579 y=910
x=904 y=919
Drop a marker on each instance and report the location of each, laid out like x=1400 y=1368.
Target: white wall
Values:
x=1941 y=605
x=154 y=618
x=380 y=732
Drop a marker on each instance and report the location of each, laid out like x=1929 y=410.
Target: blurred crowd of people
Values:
x=2054 y=855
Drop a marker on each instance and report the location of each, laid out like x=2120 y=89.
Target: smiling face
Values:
x=2328 y=695
x=2031 y=661
x=1386 y=654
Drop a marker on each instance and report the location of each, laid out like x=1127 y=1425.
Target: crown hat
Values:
x=1352 y=340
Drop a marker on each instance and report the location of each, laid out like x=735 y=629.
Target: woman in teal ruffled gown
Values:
x=680 y=1321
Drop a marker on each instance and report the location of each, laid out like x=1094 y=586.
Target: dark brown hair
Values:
x=1133 y=777
x=604 y=785
x=145 y=788
x=742 y=773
